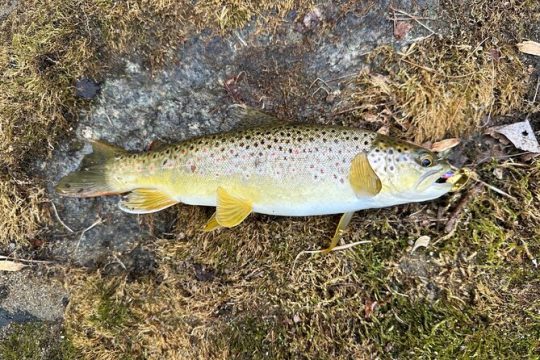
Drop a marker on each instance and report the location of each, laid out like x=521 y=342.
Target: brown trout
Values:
x=279 y=169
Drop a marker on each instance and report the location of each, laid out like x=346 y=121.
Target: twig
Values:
x=60 y=220
x=96 y=223
x=420 y=66
x=497 y=190
x=119 y=261
x=476 y=48
x=26 y=260
x=536 y=91
x=415 y=19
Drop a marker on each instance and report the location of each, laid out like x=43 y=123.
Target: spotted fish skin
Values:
x=285 y=169
x=282 y=169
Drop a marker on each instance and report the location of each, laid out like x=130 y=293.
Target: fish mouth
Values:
x=444 y=177
x=434 y=177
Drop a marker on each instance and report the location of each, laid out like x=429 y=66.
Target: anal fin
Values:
x=144 y=201
x=231 y=210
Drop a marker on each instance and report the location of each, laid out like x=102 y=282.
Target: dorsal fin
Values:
x=247 y=117
x=101 y=152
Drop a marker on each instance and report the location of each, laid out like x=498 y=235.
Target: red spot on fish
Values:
x=193 y=168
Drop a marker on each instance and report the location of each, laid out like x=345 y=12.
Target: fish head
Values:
x=409 y=172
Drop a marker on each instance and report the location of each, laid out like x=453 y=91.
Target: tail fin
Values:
x=91 y=178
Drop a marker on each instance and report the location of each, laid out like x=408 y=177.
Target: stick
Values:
x=60 y=220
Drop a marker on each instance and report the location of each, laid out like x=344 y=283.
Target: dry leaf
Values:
x=384 y=130
x=401 y=29
x=444 y=145
x=422 y=241
x=520 y=134
x=529 y=47
x=371 y=118
x=369 y=308
x=11 y=266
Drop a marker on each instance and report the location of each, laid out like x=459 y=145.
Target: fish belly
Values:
x=289 y=198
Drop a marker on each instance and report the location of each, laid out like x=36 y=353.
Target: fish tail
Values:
x=91 y=179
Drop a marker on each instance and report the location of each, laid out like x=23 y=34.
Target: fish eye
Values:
x=426 y=160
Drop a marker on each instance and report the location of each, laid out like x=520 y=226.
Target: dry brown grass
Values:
x=435 y=89
x=22 y=216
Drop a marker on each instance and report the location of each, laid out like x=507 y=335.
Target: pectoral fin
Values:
x=231 y=210
x=144 y=201
x=212 y=224
x=363 y=178
x=343 y=223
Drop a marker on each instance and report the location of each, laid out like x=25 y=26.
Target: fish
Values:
x=277 y=168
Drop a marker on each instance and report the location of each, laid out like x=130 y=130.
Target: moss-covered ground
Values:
x=244 y=292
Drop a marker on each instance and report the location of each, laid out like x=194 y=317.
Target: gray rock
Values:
x=26 y=296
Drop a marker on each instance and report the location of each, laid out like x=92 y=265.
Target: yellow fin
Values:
x=248 y=117
x=144 y=201
x=231 y=210
x=363 y=179
x=343 y=223
x=212 y=224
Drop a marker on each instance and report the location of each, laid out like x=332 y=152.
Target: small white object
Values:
x=520 y=134
x=422 y=241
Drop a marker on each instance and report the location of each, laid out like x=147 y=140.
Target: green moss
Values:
x=36 y=341
x=111 y=314
x=254 y=336
x=446 y=330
